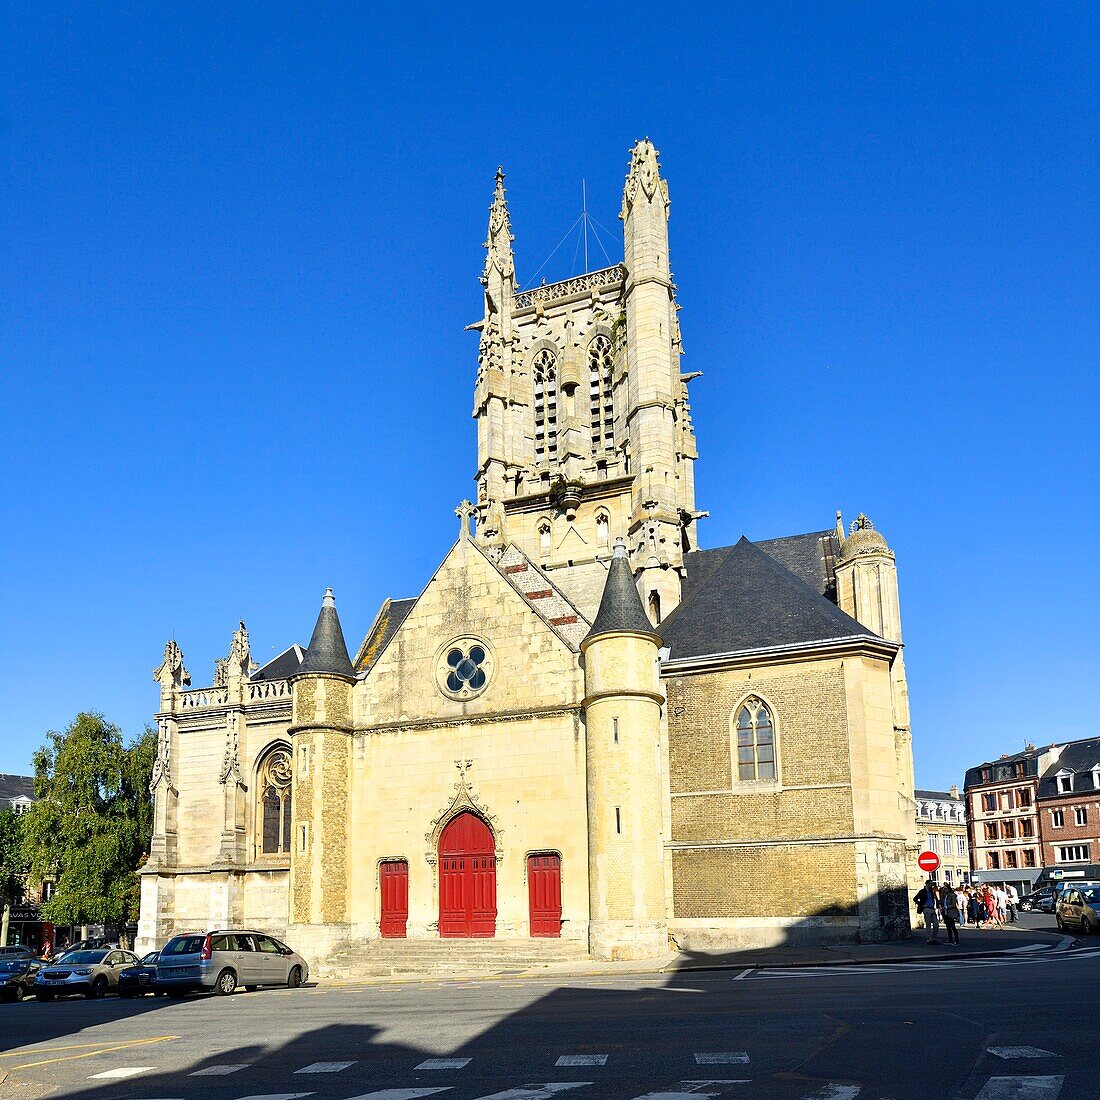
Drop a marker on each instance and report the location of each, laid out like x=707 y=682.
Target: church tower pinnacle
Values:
x=584 y=426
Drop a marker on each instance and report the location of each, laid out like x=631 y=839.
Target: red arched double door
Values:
x=467 y=878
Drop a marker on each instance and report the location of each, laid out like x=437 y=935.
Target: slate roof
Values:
x=1079 y=757
x=16 y=786
x=1003 y=768
x=621 y=606
x=327 y=651
x=811 y=557
x=282 y=667
x=742 y=599
x=386 y=623
x=938 y=796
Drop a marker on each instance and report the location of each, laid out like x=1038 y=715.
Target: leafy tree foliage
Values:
x=91 y=825
x=13 y=860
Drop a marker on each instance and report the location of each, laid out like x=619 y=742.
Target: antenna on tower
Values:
x=584 y=220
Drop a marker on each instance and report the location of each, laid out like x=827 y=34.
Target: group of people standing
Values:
x=958 y=905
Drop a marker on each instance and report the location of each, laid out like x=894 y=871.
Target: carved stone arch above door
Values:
x=464 y=800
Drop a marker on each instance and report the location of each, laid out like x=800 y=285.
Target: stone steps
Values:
x=385 y=957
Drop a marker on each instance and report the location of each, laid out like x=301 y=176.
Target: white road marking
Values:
x=119 y=1074
x=401 y=1094
x=1021 y=1088
x=690 y=1090
x=277 y=1096
x=834 y=1092
x=743 y=974
x=537 y=1092
x=219 y=1071
x=1021 y=1052
x=582 y=1060
x=325 y=1067
x=444 y=1063
x=728 y=1058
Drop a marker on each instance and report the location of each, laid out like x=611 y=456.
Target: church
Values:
x=587 y=736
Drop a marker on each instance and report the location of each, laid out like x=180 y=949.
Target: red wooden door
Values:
x=544 y=893
x=467 y=878
x=393 y=881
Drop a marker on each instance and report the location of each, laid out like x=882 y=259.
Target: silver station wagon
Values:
x=224 y=959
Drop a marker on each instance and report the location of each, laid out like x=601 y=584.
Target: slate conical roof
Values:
x=327 y=650
x=621 y=608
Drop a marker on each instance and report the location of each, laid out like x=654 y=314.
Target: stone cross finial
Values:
x=861 y=523
x=464 y=511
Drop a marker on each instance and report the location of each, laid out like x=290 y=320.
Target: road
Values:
x=978 y=1029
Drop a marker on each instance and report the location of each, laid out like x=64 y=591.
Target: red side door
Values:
x=544 y=893
x=393 y=881
x=467 y=878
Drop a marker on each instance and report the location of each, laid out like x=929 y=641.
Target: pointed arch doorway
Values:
x=467 y=878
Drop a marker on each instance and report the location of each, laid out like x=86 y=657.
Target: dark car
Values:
x=1035 y=900
x=136 y=981
x=18 y=967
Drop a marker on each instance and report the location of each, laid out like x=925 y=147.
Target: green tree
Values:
x=92 y=822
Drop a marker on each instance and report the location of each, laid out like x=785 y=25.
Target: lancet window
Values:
x=546 y=406
x=755 y=742
x=602 y=411
x=273 y=794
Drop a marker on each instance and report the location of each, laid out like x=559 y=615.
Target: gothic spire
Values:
x=644 y=176
x=499 y=241
x=327 y=651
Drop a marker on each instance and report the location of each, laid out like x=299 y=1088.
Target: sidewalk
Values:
x=974 y=944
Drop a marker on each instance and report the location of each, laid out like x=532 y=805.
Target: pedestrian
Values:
x=1013 y=903
x=927 y=901
x=949 y=904
x=961 y=892
x=989 y=902
x=1001 y=899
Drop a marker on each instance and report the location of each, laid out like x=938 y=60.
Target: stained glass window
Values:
x=274 y=802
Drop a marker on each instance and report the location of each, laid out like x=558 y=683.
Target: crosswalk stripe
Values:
x=219 y=1071
x=581 y=1060
x=726 y=1058
x=1021 y=1088
x=401 y=1094
x=277 y=1096
x=120 y=1074
x=537 y=1092
x=325 y=1067
x=1021 y=1052
x=444 y=1063
x=834 y=1092
x=690 y=1090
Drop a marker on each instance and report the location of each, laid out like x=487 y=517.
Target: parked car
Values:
x=1035 y=899
x=224 y=959
x=18 y=968
x=136 y=981
x=1079 y=907
x=93 y=973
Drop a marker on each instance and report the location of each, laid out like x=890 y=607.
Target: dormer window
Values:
x=1064 y=781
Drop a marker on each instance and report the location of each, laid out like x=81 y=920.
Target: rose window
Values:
x=464 y=668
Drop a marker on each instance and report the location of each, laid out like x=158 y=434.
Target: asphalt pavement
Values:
x=985 y=1028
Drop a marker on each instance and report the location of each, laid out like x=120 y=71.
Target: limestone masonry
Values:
x=586 y=735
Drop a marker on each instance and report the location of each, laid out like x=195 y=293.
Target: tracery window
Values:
x=603 y=531
x=546 y=406
x=544 y=538
x=273 y=802
x=755 y=742
x=602 y=410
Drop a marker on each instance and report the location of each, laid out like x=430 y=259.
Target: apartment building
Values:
x=941 y=828
x=1069 y=808
x=1002 y=807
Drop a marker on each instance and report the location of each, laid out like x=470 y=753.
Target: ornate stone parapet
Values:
x=594 y=280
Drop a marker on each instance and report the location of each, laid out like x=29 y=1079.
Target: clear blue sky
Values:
x=240 y=243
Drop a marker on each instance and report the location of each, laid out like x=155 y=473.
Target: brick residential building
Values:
x=1002 y=808
x=941 y=828
x=1069 y=808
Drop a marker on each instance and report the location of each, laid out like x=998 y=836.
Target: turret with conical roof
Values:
x=626 y=878
x=327 y=652
x=321 y=736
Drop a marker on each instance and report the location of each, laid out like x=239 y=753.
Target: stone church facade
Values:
x=586 y=732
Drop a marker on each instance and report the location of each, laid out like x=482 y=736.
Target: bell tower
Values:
x=584 y=426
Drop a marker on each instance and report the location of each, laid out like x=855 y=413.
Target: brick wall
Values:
x=1054 y=837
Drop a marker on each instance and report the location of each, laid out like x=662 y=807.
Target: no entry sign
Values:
x=928 y=861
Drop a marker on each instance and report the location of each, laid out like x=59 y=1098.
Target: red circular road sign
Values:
x=928 y=861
